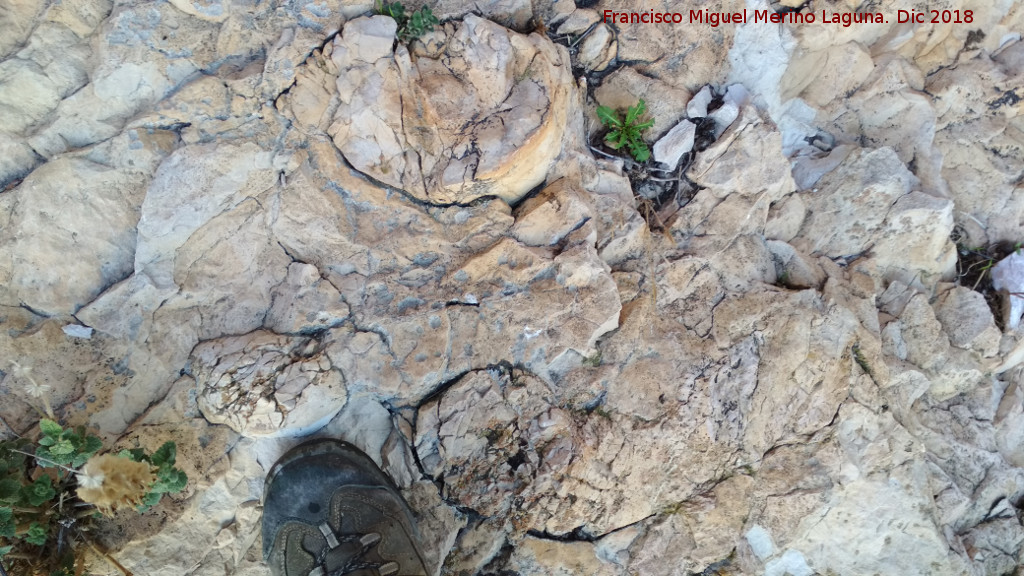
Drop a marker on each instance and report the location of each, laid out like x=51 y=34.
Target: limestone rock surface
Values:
x=240 y=225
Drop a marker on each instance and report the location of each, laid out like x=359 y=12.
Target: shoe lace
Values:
x=357 y=561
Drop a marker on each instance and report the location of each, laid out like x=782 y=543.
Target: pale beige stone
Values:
x=540 y=556
x=192 y=186
x=676 y=142
x=840 y=70
x=71 y=235
x=726 y=168
x=785 y=218
x=579 y=21
x=211 y=10
x=405 y=123
x=848 y=207
x=598 y=48
x=305 y=303
x=914 y=240
x=547 y=218
x=967 y=319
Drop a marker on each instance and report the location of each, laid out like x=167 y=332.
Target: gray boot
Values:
x=328 y=510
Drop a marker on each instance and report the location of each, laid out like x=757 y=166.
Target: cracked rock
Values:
x=484 y=118
x=263 y=384
x=305 y=303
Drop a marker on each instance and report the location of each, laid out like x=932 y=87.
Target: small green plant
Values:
x=169 y=480
x=783 y=279
x=410 y=26
x=673 y=508
x=49 y=496
x=858 y=356
x=627 y=132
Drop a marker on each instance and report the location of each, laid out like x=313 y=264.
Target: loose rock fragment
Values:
x=678 y=141
x=1008 y=277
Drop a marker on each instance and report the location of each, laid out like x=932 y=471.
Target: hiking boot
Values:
x=328 y=510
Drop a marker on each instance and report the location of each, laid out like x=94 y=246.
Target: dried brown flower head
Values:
x=110 y=482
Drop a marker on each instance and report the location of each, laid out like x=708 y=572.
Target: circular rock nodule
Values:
x=483 y=117
x=264 y=384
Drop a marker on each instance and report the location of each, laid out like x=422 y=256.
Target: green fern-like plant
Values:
x=412 y=25
x=627 y=132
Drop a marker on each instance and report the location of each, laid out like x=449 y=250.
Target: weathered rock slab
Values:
x=483 y=118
